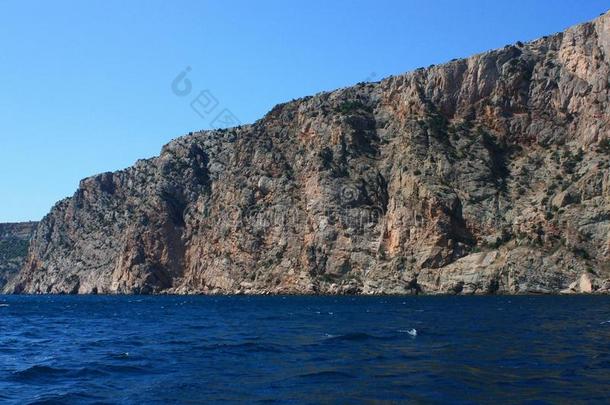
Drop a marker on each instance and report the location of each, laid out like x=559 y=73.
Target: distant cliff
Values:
x=14 y=243
x=489 y=174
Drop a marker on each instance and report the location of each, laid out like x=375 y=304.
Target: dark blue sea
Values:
x=176 y=349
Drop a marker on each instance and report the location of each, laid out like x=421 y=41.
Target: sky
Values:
x=91 y=86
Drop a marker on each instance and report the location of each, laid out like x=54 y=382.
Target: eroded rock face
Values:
x=14 y=243
x=483 y=175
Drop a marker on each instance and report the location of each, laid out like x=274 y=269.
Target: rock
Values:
x=565 y=198
x=483 y=175
x=585 y=284
x=604 y=287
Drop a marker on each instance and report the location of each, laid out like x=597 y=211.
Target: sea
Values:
x=301 y=350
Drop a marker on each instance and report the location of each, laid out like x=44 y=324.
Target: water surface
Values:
x=174 y=349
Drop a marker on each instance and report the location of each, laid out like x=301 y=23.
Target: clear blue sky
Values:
x=86 y=85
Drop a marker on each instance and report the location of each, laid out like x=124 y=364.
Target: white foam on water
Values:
x=412 y=332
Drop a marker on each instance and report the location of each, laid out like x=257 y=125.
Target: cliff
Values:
x=14 y=242
x=483 y=175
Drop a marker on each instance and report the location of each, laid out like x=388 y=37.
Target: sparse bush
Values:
x=580 y=252
x=351 y=106
x=13 y=248
x=604 y=146
x=438 y=123
x=326 y=157
x=569 y=161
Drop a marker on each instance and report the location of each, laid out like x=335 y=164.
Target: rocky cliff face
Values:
x=14 y=242
x=484 y=175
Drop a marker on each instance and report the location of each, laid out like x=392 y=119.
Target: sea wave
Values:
x=353 y=337
x=327 y=374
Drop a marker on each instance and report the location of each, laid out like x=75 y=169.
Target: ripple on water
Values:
x=353 y=337
x=327 y=374
x=44 y=374
x=39 y=372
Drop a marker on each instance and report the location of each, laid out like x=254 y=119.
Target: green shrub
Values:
x=582 y=253
x=604 y=146
x=13 y=249
x=437 y=123
x=351 y=106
